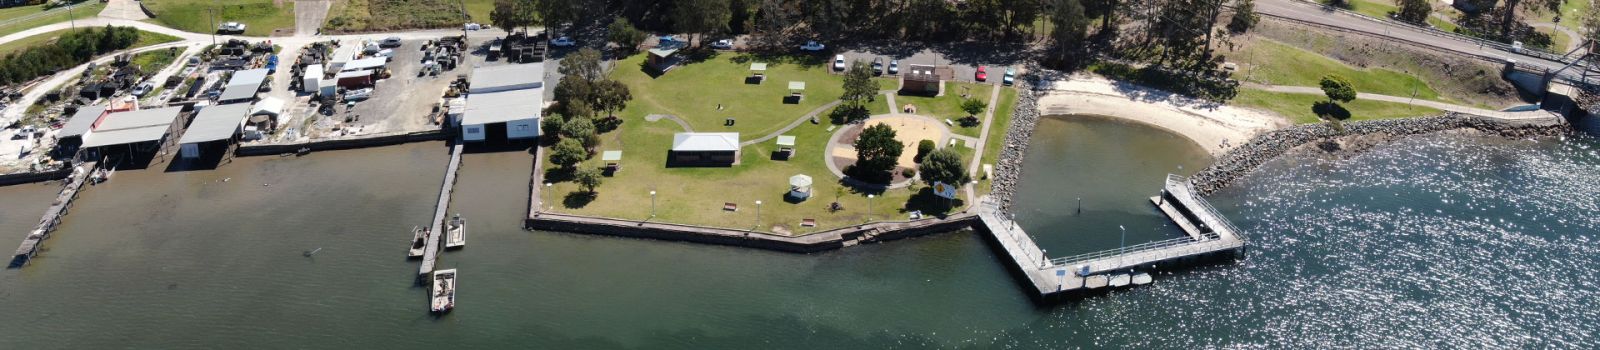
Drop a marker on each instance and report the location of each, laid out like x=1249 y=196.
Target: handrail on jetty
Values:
x=1205 y=205
x=1142 y=247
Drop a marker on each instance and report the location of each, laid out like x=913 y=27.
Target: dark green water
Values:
x=181 y=260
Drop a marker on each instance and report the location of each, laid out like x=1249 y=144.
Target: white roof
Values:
x=786 y=140
x=365 y=63
x=705 y=141
x=215 y=123
x=503 y=106
x=347 y=74
x=269 y=105
x=758 y=66
x=251 y=77
x=313 y=71
x=507 y=77
x=138 y=119
x=82 y=120
x=344 y=54
x=797 y=85
x=125 y=136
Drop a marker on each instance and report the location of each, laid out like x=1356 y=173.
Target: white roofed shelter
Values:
x=81 y=121
x=215 y=123
x=505 y=78
x=800 y=186
x=145 y=128
x=704 y=149
x=242 y=87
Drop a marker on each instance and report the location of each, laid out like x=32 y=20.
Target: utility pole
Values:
x=72 y=19
x=464 y=19
x=213 y=12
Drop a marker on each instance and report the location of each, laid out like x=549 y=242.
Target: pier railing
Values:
x=1137 y=248
x=1174 y=179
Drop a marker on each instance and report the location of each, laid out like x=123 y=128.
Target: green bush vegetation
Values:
x=1274 y=63
x=381 y=15
x=1302 y=108
x=70 y=49
x=260 y=17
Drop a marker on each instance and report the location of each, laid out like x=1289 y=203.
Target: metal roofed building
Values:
x=82 y=121
x=124 y=128
x=215 y=123
x=243 y=85
x=704 y=149
x=507 y=77
x=515 y=111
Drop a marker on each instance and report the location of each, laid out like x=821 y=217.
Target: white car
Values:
x=724 y=44
x=812 y=46
x=562 y=41
x=231 y=27
x=838 y=62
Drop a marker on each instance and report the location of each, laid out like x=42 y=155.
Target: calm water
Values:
x=1435 y=242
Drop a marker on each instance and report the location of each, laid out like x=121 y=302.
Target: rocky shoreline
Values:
x=1363 y=134
x=1024 y=116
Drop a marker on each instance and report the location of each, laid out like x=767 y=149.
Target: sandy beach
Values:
x=1212 y=126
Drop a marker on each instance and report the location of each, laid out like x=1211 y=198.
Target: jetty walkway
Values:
x=52 y=216
x=1207 y=235
x=431 y=255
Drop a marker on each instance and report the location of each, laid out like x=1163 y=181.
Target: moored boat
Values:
x=455 y=232
x=442 y=297
x=419 y=241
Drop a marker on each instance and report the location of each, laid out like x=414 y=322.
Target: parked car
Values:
x=982 y=74
x=724 y=44
x=894 y=66
x=231 y=28
x=668 y=40
x=472 y=26
x=838 y=63
x=1010 y=77
x=877 y=66
x=812 y=46
x=358 y=94
x=562 y=41
x=142 y=89
x=393 y=41
x=385 y=53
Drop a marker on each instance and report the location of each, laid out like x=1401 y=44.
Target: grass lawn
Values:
x=1297 y=107
x=153 y=61
x=949 y=105
x=1558 y=39
x=1273 y=63
x=1442 y=24
x=1374 y=8
x=997 y=137
x=696 y=195
x=85 y=10
x=1572 y=14
x=260 y=17
x=145 y=39
x=379 y=15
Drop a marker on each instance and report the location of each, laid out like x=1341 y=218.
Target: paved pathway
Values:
x=681 y=123
x=1386 y=98
x=796 y=123
x=123 y=9
x=1574 y=41
x=309 y=15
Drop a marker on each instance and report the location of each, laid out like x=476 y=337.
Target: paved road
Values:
x=1316 y=14
x=123 y=9
x=309 y=15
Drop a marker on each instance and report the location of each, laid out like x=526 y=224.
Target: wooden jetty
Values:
x=1207 y=232
x=430 y=254
x=52 y=216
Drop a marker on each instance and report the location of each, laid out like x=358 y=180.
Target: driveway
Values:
x=309 y=15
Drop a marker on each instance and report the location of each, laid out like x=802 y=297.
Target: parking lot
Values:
x=403 y=102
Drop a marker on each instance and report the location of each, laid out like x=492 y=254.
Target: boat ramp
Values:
x=1207 y=235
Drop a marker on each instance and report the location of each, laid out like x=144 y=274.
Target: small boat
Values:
x=455 y=232
x=419 y=241
x=1119 y=280
x=302 y=151
x=442 y=297
x=1141 y=278
x=309 y=253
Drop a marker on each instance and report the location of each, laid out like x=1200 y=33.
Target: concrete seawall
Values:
x=22 y=178
x=816 y=242
x=343 y=143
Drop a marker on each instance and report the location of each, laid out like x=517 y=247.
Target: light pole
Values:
x=869 y=207
x=652 y=204
x=758 y=214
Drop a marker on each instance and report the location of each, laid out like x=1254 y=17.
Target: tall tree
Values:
x=943 y=165
x=513 y=14
x=877 y=150
x=585 y=63
x=771 y=24
x=1337 y=88
x=567 y=153
x=1069 y=31
x=1245 y=17
x=739 y=16
x=1414 y=11
x=859 y=86
x=557 y=13
x=624 y=34
x=588 y=179
x=701 y=17
x=1509 y=19
x=611 y=96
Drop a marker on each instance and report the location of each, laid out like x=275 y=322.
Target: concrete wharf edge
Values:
x=52 y=216
x=811 y=243
x=430 y=254
x=353 y=142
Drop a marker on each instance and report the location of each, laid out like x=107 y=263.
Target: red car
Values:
x=983 y=73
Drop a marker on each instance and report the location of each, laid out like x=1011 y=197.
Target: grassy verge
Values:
x=379 y=15
x=997 y=137
x=86 y=10
x=145 y=39
x=1274 y=63
x=260 y=17
x=1374 y=8
x=694 y=195
x=1298 y=107
x=154 y=60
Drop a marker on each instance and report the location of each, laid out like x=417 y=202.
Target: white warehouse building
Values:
x=503 y=102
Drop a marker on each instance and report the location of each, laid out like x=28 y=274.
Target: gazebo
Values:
x=785 y=147
x=613 y=160
x=800 y=187
x=796 y=92
x=758 y=73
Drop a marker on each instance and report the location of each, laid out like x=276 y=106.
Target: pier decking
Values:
x=53 y=215
x=1207 y=233
x=431 y=254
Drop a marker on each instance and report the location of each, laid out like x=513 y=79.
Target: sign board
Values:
x=943 y=190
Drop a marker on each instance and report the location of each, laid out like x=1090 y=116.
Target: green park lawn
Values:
x=949 y=105
x=1273 y=63
x=694 y=195
x=260 y=17
x=1373 y=8
x=997 y=137
x=145 y=39
x=85 y=10
x=1298 y=107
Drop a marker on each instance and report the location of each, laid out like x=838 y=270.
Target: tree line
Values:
x=70 y=49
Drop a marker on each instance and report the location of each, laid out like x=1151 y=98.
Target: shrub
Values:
x=923 y=147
